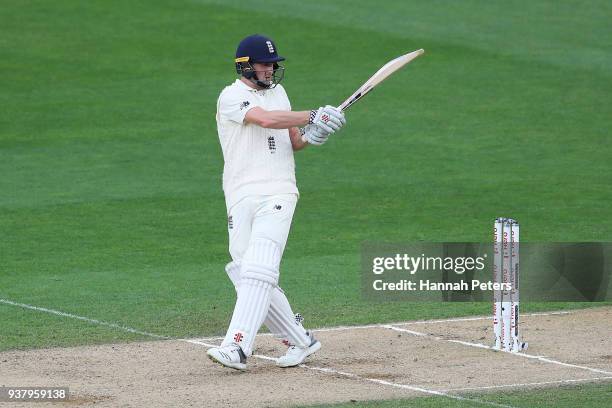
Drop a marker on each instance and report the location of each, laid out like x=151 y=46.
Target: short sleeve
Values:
x=234 y=105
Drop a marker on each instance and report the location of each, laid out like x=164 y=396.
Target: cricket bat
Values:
x=383 y=73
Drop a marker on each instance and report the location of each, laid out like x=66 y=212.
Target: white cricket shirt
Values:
x=258 y=161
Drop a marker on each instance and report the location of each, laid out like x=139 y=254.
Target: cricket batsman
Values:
x=259 y=132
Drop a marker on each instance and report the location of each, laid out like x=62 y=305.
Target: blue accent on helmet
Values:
x=258 y=48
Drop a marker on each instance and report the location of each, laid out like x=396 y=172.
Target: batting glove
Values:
x=314 y=135
x=328 y=118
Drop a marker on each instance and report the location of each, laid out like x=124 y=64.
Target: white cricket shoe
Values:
x=296 y=355
x=230 y=356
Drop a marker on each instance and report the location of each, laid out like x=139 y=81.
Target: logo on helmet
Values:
x=270 y=47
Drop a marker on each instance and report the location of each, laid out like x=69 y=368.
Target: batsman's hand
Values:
x=328 y=118
x=314 y=135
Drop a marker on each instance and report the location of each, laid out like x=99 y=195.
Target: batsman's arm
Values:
x=276 y=119
x=296 y=139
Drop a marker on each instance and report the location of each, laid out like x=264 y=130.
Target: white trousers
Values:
x=266 y=217
x=253 y=220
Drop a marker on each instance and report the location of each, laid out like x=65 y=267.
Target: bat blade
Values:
x=383 y=73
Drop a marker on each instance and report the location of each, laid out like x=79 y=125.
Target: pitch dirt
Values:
x=354 y=364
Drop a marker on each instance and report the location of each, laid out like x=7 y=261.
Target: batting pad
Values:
x=281 y=317
x=259 y=276
x=261 y=261
x=233 y=271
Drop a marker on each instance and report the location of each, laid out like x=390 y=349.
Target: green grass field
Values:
x=111 y=204
x=590 y=395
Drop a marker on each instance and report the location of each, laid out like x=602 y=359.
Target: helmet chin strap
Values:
x=259 y=83
x=262 y=84
x=251 y=75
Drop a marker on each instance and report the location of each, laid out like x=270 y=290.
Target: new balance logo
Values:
x=244 y=104
x=277 y=207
